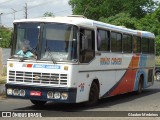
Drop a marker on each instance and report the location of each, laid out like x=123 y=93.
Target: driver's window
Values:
x=87 y=38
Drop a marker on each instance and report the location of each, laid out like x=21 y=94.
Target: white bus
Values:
x=74 y=59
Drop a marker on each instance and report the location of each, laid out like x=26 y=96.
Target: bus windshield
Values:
x=25 y=39
x=59 y=42
x=45 y=41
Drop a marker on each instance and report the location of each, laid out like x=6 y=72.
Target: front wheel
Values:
x=38 y=103
x=93 y=95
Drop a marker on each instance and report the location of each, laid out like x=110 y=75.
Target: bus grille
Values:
x=36 y=77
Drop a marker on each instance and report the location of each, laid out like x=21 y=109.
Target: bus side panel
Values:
x=146 y=66
x=130 y=75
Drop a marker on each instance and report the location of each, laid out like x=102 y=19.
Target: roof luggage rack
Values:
x=79 y=16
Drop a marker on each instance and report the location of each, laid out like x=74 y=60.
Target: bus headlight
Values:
x=50 y=94
x=22 y=93
x=16 y=92
x=57 y=95
x=64 y=96
x=9 y=91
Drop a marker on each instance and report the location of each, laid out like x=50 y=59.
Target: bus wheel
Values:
x=157 y=76
x=38 y=103
x=140 y=86
x=93 y=95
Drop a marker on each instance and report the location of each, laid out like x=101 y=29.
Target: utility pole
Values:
x=14 y=11
x=1 y=66
x=25 y=11
x=0 y=26
x=1 y=20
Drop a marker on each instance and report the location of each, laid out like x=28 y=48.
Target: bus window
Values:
x=87 y=38
x=151 y=46
x=103 y=42
x=136 y=44
x=127 y=43
x=116 y=42
x=145 y=45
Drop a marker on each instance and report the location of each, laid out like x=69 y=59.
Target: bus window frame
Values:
x=131 y=50
x=109 y=40
x=93 y=31
x=116 y=40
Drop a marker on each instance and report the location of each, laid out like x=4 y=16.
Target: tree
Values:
x=5 y=35
x=94 y=9
x=121 y=19
x=151 y=22
x=135 y=14
x=48 y=14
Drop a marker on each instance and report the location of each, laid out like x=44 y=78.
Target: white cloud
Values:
x=36 y=8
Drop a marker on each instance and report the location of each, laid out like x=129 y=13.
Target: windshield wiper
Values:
x=51 y=56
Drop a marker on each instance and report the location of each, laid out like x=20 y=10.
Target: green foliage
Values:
x=5 y=35
x=135 y=14
x=151 y=22
x=121 y=19
x=48 y=14
x=94 y=9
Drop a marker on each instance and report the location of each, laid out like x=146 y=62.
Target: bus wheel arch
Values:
x=140 y=84
x=93 y=93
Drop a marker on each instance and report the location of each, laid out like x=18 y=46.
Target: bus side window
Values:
x=136 y=44
x=151 y=46
x=116 y=42
x=103 y=41
x=87 y=38
x=127 y=43
x=145 y=45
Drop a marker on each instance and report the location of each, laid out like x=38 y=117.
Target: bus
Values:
x=74 y=59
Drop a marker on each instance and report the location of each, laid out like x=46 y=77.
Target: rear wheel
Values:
x=157 y=76
x=38 y=103
x=140 y=86
x=93 y=95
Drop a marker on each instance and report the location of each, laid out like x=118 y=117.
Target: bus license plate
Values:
x=35 y=93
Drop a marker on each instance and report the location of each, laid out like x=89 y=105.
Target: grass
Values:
x=2 y=96
x=3 y=76
x=2 y=79
x=157 y=60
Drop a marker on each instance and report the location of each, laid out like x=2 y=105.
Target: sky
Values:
x=36 y=8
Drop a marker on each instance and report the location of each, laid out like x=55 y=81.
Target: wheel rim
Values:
x=158 y=76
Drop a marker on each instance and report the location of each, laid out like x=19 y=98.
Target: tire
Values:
x=93 y=95
x=157 y=76
x=140 y=86
x=38 y=103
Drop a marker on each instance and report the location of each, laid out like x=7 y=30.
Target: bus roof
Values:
x=82 y=21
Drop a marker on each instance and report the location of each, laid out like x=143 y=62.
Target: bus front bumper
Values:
x=42 y=93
